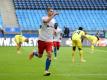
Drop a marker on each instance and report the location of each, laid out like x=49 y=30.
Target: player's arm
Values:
x=83 y=36
x=60 y=37
x=50 y=17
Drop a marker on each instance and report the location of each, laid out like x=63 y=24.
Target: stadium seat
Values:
x=90 y=14
x=60 y=4
x=90 y=19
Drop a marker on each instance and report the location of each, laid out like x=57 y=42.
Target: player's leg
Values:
x=81 y=55
x=49 y=58
x=40 y=51
x=92 y=45
x=73 y=51
x=35 y=53
x=58 y=45
x=92 y=48
x=80 y=51
x=18 y=44
x=18 y=47
x=55 y=52
x=73 y=54
x=55 y=49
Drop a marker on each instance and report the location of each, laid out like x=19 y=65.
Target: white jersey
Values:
x=57 y=35
x=46 y=31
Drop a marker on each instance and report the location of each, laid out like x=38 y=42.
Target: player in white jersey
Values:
x=57 y=39
x=45 y=40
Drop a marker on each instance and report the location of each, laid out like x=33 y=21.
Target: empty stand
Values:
x=89 y=19
x=91 y=14
x=60 y=4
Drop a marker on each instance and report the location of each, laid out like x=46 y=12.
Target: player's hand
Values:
x=56 y=13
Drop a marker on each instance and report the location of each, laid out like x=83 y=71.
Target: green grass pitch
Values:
x=15 y=66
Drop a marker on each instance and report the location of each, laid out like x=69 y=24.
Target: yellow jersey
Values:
x=78 y=34
x=19 y=39
x=91 y=37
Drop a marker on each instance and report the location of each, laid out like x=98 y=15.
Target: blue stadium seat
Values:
x=89 y=19
x=60 y=4
x=90 y=14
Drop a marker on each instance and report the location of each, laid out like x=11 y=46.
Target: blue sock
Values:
x=55 y=51
x=35 y=53
x=48 y=62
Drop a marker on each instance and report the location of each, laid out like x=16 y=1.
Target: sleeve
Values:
x=44 y=19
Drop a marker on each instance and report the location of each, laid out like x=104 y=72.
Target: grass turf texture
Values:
x=15 y=66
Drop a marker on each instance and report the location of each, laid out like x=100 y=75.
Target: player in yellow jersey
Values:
x=76 y=42
x=19 y=39
x=93 y=40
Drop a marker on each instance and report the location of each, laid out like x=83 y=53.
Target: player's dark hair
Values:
x=80 y=28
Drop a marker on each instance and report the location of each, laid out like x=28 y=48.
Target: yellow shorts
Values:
x=77 y=43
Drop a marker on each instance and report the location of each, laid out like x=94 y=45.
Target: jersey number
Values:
x=78 y=32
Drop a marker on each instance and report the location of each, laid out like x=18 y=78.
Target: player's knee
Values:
x=74 y=48
x=79 y=49
x=49 y=56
